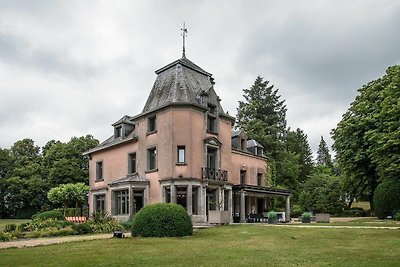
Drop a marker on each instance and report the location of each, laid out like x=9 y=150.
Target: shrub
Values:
x=10 y=227
x=51 y=214
x=296 y=211
x=160 y=220
x=306 y=217
x=106 y=227
x=387 y=198
x=5 y=237
x=71 y=212
x=397 y=216
x=38 y=224
x=128 y=224
x=100 y=216
x=82 y=229
x=272 y=215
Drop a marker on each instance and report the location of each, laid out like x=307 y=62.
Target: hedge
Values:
x=387 y=198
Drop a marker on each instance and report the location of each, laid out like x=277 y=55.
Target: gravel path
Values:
x=50 y=240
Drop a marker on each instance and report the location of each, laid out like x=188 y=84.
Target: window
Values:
x=122 y=199
x=243 y=144
x=212 y=119
x=242 y=177
x=226 y=200
x=181 y=196
x=181 y=154
x=99 y=202
x=259 y=179
x=118 y=131
x=212 y=161
x=211 y=124
x=132 y=163
x=99 y=171
x=151 y=159
x=151 y=124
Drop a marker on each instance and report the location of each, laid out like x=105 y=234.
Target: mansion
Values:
x=181 y=149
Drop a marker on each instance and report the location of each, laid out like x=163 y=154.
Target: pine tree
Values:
x=263 y=117
x=296 y=142
x=323 y=156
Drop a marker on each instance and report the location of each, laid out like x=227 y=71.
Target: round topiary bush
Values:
x=162 y=220
x=387 y=199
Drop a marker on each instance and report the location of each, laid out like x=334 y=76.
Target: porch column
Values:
x=189 y=199
x=146 y=196
x=131 y=202
x=242 y=207
x=230 y=201
x=287 y=212
x=219 y=200
x=173 y=193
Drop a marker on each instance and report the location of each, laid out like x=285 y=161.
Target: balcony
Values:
x=214 y=174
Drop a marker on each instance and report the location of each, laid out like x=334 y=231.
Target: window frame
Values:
x=259 y=179
x=179 y=160
x=152 y=124
x=99 y=171
x=132 y=168
x=122 y=196
x=149 y=161
x=99 y=198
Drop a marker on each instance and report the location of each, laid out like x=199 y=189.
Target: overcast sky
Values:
x=71 y=68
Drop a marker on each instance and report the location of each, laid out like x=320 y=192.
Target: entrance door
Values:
x=260 y=205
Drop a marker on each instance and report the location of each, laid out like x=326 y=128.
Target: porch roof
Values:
x=135 y=178
x=262 y=189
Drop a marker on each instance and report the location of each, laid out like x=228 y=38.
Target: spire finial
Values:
x=184 y=34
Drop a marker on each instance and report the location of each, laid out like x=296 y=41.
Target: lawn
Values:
x=236 y=245
x=4 y=222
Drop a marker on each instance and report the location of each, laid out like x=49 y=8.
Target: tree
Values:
x=65 y=163
x=68 y=194
x=6 y=163
x=323 y=156
x=25 y=152
x=296 y=142
x=263 y=117
x=367 y=139
x=322 y=192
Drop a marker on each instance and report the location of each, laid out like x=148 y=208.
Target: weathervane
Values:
x=184 y=34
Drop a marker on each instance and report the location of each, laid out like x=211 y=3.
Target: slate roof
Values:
x=253 y=143
x=125 y=119
x=112 y=141
x=129 y=179
x=180 y=82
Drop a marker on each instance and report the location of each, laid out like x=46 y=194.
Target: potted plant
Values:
x=272 y=217
x=306 y=217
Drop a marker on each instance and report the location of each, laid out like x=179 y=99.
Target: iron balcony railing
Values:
x=214 y=174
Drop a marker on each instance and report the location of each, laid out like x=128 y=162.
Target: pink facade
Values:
x=180 y=149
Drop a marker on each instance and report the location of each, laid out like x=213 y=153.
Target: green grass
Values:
x=4 y=222
x=361 y=204
x=368 y=222
x=237 y=245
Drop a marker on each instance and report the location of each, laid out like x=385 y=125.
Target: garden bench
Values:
x=76 y=219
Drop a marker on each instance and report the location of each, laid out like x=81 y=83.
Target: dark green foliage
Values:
x=51 y=214
x=102 y=222
x=82 y=229
x=10 y=227
x=70 y=212
x=387 y=198
x=367 y=139
x=306 y=217
x=163 y=219
x=323 y=156
x=397 y=216
x=40 y=224
x=322 y=192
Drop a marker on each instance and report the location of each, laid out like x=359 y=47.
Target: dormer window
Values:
x=212 y=119
x=118 y=131
x=243 y=145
